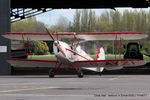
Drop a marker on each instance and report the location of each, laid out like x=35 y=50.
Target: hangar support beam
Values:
x=4 y=43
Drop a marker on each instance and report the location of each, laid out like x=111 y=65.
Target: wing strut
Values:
x=120 y=49
x=76 y=43
x=115 y=46
x=24 y=46
x=73 y=41
x=29 y=48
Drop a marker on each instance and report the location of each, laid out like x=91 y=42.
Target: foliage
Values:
x=87 y=21
x=77 y=19
x=37 y=47
x=114 y=21
x=28 y=25
x=94 y=50
x=50 y=45
x=109 y=49
x=32 y=25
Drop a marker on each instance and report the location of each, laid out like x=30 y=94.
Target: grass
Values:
x=43 y=57
x=109 y=56
x=52 y=57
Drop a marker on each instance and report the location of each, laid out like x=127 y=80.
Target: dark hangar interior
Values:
x=56 y=4
x=20 y=8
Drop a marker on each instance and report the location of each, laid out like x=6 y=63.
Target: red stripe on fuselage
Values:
x=77 y=54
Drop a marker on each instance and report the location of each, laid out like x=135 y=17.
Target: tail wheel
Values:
x=100 y=73
x=80 y=73
x=51 y=73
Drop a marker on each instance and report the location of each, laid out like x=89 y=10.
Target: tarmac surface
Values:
x=70 y=87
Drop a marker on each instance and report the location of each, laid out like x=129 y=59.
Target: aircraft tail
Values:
x=100 y=54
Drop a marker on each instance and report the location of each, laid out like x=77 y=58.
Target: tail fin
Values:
x=100 y=54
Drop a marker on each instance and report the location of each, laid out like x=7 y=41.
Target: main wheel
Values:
x=80 y=73
x=51 y=73
x=12 y=70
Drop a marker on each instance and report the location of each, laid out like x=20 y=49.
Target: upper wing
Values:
x=85 y=36
x=111 y=64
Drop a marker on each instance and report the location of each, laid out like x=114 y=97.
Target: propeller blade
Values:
x=58 y=46
x=57 y=43
x=50 y=34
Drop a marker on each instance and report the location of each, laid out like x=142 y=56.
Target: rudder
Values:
x=100 y=54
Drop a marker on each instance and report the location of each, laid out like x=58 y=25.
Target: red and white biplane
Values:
x=72 y=55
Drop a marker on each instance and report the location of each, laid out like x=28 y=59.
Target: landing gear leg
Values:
x=100 y=70
x=53 y=71
x=80 y=73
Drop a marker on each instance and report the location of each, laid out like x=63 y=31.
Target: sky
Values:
x=51 y=17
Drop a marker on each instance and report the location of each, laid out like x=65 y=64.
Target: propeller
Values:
x=57 y=43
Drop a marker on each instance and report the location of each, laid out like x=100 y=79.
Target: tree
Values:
x=109 y=49
x=143 y=21
x=32 y=25
x=128 y=21
x=115 y=17
x=137 y=22
x=148 y=24
x=94 y=49
x=37 y=47
x=28 y=25
x=62 y=24
x=87 y=21
x=91 y=21
x=77 y=19
x=84 y=20
x=103 y=23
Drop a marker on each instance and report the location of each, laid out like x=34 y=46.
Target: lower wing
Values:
x=32 y=62
x=111 y=64
x=107 y=64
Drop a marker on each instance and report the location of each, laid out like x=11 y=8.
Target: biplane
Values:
x=72 y=56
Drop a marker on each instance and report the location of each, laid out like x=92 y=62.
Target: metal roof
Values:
x=57 y=4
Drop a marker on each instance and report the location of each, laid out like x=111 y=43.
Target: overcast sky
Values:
x=51 y=17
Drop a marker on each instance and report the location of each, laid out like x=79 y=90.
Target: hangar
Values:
x=14 y=10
